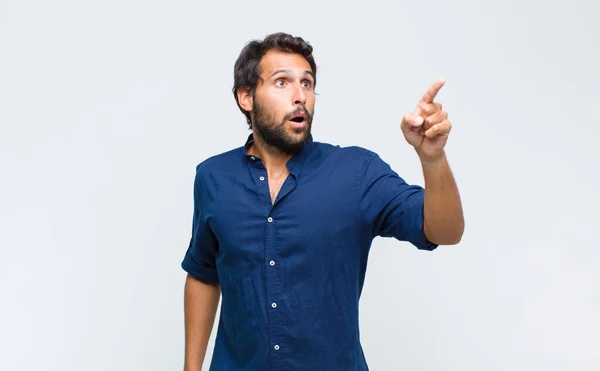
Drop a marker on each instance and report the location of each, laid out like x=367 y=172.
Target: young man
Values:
x=282 y=225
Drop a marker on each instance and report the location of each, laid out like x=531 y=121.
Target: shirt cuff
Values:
x=417 y=237
x=203 y=273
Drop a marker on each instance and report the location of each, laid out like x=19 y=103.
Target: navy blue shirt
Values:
x=291 y=272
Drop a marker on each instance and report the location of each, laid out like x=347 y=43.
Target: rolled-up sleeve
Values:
x=200 y=257
x=391 y=206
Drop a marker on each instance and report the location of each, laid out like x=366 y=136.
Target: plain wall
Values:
x=106 y=107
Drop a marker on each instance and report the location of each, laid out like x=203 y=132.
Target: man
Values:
x=282 y=225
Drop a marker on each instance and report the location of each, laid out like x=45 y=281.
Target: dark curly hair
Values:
x=246 y=73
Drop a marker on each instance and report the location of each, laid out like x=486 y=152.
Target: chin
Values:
x=295 y=142
x=299 y=135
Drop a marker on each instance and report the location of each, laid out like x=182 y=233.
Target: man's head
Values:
x=274 y=81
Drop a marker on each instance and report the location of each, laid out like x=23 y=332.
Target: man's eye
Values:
x=307 y=84
x=279 y=82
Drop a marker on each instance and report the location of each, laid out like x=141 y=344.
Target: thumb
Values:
x=411 y=121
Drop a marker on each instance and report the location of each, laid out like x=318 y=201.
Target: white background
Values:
x=107 y=106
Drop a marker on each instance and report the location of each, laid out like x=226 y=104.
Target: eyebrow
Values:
x=306 y=72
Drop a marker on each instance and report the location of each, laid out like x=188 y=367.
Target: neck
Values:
x=274 y=160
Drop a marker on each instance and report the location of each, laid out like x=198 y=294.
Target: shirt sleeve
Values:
x=391 y=206
x=200 y=257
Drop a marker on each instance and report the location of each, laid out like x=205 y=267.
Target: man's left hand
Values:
x=427 y=127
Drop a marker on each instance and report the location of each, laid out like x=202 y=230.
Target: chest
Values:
x=307 y=216
x=275 y=185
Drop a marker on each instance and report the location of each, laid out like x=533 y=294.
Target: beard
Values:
x=275 y=135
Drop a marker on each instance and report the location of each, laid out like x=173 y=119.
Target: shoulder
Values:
x=220 y=163
x=364 y=162
x=352 y=153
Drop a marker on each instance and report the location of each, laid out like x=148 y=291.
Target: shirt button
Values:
x=272 y=263
x=276 y=347
x=253 y=158
x=274 y=305
x=262 y=178
x=270 y=219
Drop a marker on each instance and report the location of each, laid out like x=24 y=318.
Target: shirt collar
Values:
x=294 y=164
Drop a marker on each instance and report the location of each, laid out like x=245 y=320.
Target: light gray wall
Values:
x=107 y=106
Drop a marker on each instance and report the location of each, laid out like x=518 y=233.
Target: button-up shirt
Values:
x=291 y=271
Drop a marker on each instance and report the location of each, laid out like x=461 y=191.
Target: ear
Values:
x=245 y=98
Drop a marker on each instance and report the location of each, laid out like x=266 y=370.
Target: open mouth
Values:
x=300 y=119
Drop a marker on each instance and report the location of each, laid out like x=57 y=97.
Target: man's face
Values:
x=284 y=101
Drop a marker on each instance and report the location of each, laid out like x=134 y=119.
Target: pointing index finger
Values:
x=432 y=91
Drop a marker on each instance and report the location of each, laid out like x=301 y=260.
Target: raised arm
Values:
x=427 y=129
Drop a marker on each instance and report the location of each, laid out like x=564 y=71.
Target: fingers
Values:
x=443 y=128
x=431 y=113
x=427 y=109
x=435 y=119
x=432 y=91
x=428 y=118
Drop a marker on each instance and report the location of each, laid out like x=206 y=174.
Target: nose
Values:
x=299 y=96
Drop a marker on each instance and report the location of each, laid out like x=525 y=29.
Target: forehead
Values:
x=275 y=59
